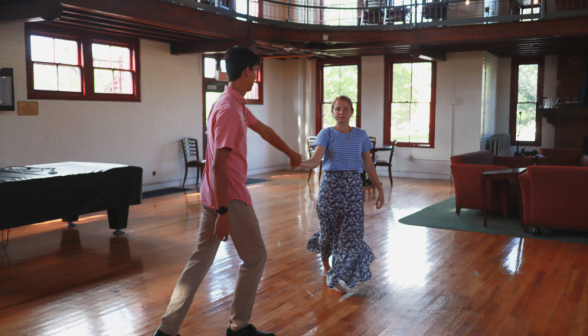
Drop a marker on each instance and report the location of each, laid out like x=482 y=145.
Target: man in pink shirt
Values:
x=226 y=203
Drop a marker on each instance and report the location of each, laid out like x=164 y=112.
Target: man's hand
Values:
x=295 y=160
x=222 y=229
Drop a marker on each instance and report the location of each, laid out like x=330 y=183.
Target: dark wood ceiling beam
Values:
x=562 y=28
x=130 y=24
x=191 y=48
x=427 y=53
x=145 y=33
x=86 y=26
x=157 y=12
x=170 y=16
x=32 y=10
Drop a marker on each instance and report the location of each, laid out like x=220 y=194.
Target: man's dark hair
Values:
x=238 y=58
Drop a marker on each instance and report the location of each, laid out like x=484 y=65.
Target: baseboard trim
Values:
x=267 y=169
x=383 y=174
x=192 y=180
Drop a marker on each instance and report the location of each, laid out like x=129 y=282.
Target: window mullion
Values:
x=410 y=101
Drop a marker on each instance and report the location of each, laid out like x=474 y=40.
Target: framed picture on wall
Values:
x=6 y=89
x=28 y=108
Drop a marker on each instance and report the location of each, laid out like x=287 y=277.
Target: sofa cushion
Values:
x=558 y=196
x=562 y=156
x=467 y=179
x=513 y=161
x=483 y=157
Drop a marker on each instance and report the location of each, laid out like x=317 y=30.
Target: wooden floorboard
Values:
x=84 y=281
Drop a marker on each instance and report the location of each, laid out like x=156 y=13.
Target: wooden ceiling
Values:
x=189 y=31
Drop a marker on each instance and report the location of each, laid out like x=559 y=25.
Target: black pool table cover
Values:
x=31 y=194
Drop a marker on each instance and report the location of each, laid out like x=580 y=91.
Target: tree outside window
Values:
x=410 y=113
x=526 y=90
x=527 y=102
x=339 y=80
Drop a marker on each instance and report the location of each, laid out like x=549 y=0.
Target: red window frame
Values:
x=388 y=77
x=514 y=93
x=320 y=65
x=259 y=81
x=85 y=40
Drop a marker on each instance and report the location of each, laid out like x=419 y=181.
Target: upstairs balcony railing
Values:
x=388 y=14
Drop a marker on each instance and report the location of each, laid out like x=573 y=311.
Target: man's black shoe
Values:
x=161 y=333
x=249 y=330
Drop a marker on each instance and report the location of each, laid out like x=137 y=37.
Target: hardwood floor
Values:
x=84 y=281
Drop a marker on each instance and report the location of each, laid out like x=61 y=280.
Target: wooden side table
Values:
x=504 y=174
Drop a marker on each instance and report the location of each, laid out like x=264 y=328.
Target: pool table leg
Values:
x=118 y=218
x=70 y=220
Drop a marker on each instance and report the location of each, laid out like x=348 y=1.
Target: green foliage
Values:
x=528 y=78
x=339 y=80
x=526 y=121
x=411 y=97
x=526 y=102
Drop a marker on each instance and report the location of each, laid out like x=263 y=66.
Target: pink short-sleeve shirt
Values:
x=227 y=128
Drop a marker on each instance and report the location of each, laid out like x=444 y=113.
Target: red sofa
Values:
x=563 y=157
x=555 y=197
x=467 y=172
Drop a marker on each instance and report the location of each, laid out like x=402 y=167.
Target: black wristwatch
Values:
x=222 y=210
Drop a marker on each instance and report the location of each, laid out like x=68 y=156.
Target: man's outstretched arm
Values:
x=270 y=136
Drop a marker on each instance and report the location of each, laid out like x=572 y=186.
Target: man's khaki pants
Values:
x=246 y=236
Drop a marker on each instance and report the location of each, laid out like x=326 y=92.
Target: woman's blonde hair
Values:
x=343 y=98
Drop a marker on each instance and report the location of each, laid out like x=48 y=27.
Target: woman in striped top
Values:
x=346 y=152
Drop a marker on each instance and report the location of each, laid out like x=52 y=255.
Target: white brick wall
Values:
x=298 y=103
x=262 y=157
x=457 y=127
x=372 y=97
x=489 y=98
x=143 y=134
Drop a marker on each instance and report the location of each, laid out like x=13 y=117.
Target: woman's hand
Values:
x=308 y=164
x=295 y=160
x=315 y=160
x=380 y=200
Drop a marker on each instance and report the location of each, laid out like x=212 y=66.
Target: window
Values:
x=333 y=16
x=525 y=92
x=409 y=115
x=214 y=80
x=78 y=65
x=335 y=78
x=255 y=95
x=112 y=69
x=215 y=69
x=56 y=64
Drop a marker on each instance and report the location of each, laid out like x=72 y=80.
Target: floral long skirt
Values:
x=340 y=212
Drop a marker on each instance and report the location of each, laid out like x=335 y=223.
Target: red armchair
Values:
x=563 y=157
x=555 y=197
x=467 y=172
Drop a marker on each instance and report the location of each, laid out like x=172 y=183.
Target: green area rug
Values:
x=442 y=215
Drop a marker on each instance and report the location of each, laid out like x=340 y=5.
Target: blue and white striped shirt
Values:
x=343 y=150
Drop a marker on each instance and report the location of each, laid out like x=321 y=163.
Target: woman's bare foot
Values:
x=326 y=266
x=339 y=288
